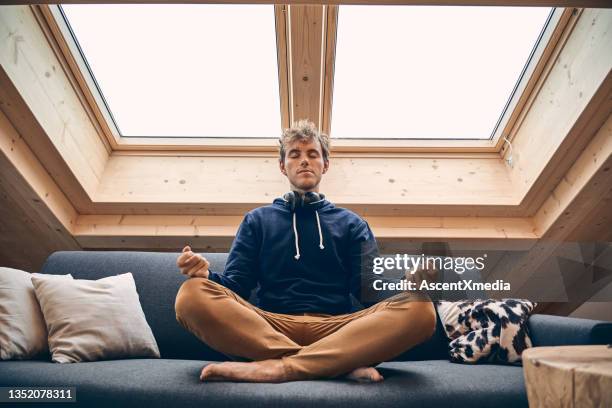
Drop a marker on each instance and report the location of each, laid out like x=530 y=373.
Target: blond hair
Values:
x=303 y=130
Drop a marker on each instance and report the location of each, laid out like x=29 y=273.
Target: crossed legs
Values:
x=288 y=347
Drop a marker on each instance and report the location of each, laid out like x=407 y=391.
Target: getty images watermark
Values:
x=426 y=265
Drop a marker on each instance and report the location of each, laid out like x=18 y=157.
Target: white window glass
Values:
x=419 y=72
x=183 y=70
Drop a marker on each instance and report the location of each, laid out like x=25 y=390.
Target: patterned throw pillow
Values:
x=493 y=331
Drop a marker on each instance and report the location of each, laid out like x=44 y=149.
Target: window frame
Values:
x=532 y=76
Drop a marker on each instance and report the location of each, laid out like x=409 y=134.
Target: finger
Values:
x=188 y=265
x=187 y=248
x=182 y=259
x=185 y=257
x=199 y=269
x=186 y=253
x=201 y=265
x=197 y=273
x=192 y=260
x=192 y=269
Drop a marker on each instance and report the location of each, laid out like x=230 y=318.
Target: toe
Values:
x=207 y=371
x=376 y=376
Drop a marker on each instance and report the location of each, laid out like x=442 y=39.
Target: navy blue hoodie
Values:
x=307 y=261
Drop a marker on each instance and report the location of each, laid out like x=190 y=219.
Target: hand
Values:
x=192 y=265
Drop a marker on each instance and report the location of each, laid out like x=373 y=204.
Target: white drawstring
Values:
x=320 y=233
x=295 y=234
x=297 y=246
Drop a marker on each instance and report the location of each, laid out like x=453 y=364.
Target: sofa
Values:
x=421 y=377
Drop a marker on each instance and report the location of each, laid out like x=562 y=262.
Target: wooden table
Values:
x=568 y=376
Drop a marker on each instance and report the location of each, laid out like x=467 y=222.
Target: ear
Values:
x=325 y=166
x=281 y=165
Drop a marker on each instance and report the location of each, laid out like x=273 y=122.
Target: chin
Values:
x=305 y=186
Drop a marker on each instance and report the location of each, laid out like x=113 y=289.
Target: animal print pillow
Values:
x=493 y=331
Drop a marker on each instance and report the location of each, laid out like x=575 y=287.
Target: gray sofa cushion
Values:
x=167 y=383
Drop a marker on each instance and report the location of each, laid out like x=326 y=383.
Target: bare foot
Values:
x=365 y=374
x=268 y=371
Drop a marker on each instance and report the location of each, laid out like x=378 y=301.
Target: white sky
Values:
x=428 y=72
x=211 y=70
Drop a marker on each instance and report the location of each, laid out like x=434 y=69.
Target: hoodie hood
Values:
x=320 y=205
x=310 y=208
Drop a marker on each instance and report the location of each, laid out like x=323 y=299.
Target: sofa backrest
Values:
x=157 y=282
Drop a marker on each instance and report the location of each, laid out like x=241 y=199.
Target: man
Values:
x=308 y=257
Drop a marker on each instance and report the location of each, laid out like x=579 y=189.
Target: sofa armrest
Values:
x=549 y=330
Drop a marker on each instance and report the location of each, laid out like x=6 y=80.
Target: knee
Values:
x=425 y=318
x=419 y=318
x=189 y=298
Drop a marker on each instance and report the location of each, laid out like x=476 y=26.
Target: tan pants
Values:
x=310 y=345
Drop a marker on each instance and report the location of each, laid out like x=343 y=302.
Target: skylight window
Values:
x=182 y=70
x=429 y=72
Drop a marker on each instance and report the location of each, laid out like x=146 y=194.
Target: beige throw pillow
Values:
x=23 y=334
x=94 y=320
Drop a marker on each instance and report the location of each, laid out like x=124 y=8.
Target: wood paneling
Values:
x=572 y=104
x=578 y=210
x=217 y=232
x=396 y=186
x=306 y=30
x=282 y=51
x=26 y=176
x=28 y=130
x=35 y=216
x=25 y=240
x=31 y=67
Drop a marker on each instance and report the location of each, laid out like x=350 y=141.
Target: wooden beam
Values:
x=570 y=107
x=27 y=127
x=306 y=35
x=25 y=239
x=552 y=41
x=399 y=186
x=521 y=3
x=586 y=183
x=36 y=217
x=282 y=51
x=270 y=144
x=30 y=65
x=581 y=199
x=331 y=31
x=217 y=232
x=25 y=175
x=583 y=131
x=67 y=52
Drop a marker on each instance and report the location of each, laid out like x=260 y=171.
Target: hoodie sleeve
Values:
x=241 y=268
x=362 y=252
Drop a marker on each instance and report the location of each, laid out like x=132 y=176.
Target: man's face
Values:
x=304 y=165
